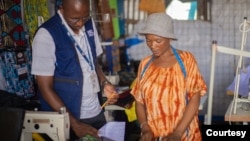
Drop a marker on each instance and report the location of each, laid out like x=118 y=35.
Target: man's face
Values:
x=76 y=14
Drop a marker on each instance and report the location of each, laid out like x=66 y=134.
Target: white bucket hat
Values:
x=159 y=24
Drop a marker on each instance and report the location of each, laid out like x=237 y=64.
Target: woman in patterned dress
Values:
x=168 y=86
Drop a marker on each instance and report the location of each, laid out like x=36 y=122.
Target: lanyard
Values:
x=180 y=62
x=177 y=57
x=88 y=59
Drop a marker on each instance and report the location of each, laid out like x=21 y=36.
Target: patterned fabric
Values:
x=13 y=34
x=58 y=4
x=113 y=59
x=16 y=71
x=168 y=88
x=34 y=11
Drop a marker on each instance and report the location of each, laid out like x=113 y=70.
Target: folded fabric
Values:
x=131 y=115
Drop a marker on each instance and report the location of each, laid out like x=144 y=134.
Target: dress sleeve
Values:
x=194 y=82
x=136 y=89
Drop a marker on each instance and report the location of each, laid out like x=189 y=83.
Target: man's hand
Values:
x=82 y=129
x=111 y=94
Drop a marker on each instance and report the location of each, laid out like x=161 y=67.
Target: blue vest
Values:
x=68 y=78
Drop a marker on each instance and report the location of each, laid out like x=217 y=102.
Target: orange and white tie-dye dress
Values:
x=163 y=92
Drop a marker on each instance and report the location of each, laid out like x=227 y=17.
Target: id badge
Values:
x=94 y=82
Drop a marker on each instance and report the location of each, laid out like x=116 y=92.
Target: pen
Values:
x=104 y=104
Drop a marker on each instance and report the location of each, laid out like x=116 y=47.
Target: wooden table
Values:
x=240 y=115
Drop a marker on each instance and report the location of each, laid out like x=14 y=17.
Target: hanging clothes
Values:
x=16 y=66
x=58 y=4
x=121 y=15
x=13 y=34
x=244 y=77
x=113 y=59
x=35 y=13
x=106 y=28
x=115 y=18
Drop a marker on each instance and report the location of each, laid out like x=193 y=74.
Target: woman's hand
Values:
x=172 y=137
x=146 y=134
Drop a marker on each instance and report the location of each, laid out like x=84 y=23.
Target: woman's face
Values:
x=76 y=14
x=157 y=44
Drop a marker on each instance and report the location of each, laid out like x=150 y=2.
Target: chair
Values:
x=11 y=123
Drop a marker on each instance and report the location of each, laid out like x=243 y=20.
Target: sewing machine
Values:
x=55 y=124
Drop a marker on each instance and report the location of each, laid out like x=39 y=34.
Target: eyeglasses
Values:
x=76 y=20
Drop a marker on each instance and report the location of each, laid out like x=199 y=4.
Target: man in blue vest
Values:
x=64 y=61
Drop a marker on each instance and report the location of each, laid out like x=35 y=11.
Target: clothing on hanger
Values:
x=244 y=77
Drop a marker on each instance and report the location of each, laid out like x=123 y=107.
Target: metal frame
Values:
x=241 y=53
